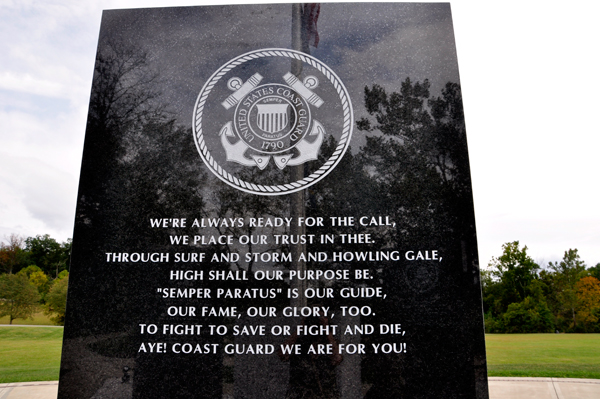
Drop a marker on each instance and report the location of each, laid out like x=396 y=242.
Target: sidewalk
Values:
x=29 y=390
x=542 y=388
x=500 y=388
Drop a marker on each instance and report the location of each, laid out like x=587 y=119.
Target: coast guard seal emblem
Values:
x=254 y=120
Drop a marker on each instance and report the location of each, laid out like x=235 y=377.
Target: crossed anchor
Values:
x=307 y=150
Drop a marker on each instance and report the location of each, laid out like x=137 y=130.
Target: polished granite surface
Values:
x=275 y=201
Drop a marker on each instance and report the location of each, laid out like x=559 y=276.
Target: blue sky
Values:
x=529 y=74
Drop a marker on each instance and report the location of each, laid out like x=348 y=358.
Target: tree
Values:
x=588 y=303
x=18 y=297
x=47 y=253
x=528 y=316
x=38 y=278
x=12 y=255
x=56 y=300
x=510 y=278
x=595 y=271
x=566 y=274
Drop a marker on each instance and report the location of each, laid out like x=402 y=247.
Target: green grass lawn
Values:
x=30 y=353
x=33 y=354
x=543 y=355
x=39 y=319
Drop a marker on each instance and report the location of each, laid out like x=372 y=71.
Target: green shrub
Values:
x=56 y=301
x=528 y=316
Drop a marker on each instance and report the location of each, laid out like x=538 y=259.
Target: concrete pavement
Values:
x=543 y=388
x=29 y=390
x=500 y=388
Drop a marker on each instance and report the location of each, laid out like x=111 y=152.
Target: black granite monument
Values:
x=275 y=202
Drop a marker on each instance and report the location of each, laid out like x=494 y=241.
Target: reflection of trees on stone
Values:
x=125 y=110
x=161 y=177
x=346 y=189
x=124 y=90
x=124 y=99
x=346 y=192
x=246 y=372
x=420 y=156
x=138 y=164
x=230 y=202
x=417 y=161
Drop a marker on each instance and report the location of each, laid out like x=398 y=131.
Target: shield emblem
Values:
x=272 y=118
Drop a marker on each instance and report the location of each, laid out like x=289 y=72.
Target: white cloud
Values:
x=29 y=84
x=37 y=193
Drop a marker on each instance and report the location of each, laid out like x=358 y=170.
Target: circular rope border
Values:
x=282 y=188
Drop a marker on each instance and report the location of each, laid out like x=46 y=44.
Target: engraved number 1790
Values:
x=266 y=145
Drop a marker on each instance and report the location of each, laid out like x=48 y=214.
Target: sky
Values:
x=530 y=83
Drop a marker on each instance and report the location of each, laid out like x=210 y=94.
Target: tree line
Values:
x=520 y=296
x=34 y=276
